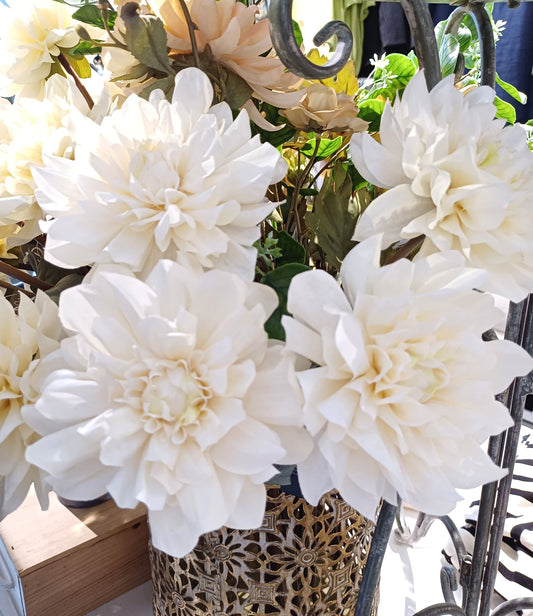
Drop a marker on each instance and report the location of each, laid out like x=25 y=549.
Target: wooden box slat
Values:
x=71 y=561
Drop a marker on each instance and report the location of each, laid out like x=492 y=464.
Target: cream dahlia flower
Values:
x=178 y=180
x=236 y=41
x=457 y=176
x=25 y=339
x=322 y=108
x=170 y=395
x=29 y=131
x=32 y=35
x=403 y=394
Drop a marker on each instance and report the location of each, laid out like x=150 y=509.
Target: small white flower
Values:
x=31 y=129
x=178 y=180
x=25 y=338
x=32 y=35
x=455 y=175
x=170 y=395
x=403 y=394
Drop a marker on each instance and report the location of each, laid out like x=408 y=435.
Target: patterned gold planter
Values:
x=302 y=561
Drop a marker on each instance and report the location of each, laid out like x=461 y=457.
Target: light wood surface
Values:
x=71 y=561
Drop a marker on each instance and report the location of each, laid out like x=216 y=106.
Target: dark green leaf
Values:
x=166 y=84
x=278 y=137
x=358 y=181
x=371 y=110
x=237 y=90
x=505 y=110
x=511 y=90
x=92 y=15
x=291 y=250
x=65 y=283
x=326 y=147
x=334 y=216
x=448 y=54
x=279 y=280
x=146 y=38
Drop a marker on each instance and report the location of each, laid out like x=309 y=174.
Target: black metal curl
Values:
x=441 y=609
x=514 y=605
x=448 y=583
x=486 y=37
x=289 y=52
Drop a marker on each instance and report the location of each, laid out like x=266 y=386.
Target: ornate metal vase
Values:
x=302 y=561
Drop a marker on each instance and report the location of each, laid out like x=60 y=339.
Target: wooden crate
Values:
x=71 y=561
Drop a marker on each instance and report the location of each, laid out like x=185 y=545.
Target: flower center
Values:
x=173 y=395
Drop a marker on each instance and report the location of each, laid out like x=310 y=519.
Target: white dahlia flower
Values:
x=25 y=339
x=30 y=130
x=32 y=35
x=170 y=395
x=455 y=175
x=403 y=394
x=178 y=180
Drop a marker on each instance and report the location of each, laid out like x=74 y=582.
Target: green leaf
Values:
x=326 y=147
x=505 y=110
x=511 y=90
x=371 y=110
x=278 y=137
x=85 y=47
x=146 y=38
x=297 y=33
x=92 y=15
x=166 y=84
x=397 y=73
x=279 y=279
x=448 y=54
x=237 y=90
x=67 y=282
x=464 y=36
x=334 y=215
x=291 y=250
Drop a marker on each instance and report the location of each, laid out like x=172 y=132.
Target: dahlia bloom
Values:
x=403 y=394
x=236 y=41
x=32 y=35
x=187 y=183
x=456 y=175
x=25 y=339
x=170 y=394
x=30 y=130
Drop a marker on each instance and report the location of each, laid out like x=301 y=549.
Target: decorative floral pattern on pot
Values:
x=302 y=561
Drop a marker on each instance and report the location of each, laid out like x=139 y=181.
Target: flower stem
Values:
x=65 y=64
x=12 y=287
x=32 y=281
x=293 y=211
x=191 y=27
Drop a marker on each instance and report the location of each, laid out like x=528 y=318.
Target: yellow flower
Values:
x=344 y=82
x=324 y=109
x=236 y=41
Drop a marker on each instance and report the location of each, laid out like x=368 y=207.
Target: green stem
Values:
x=293 y=210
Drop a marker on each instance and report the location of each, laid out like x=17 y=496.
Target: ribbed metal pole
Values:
x=376 y=555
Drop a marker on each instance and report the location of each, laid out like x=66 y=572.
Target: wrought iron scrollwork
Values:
x=284 y=41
